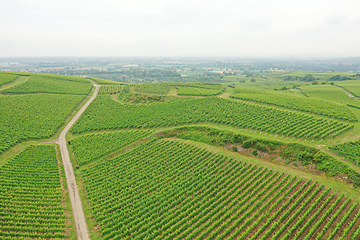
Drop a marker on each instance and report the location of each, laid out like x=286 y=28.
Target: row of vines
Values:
x=31 y=197
x=105 y=113
x=171 y=190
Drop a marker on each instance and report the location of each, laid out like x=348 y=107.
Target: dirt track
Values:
x=78 y=213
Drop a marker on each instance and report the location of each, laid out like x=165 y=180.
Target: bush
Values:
x=248 y=144
x=255 y=153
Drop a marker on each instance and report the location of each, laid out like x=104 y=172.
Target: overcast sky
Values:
x=237 y=28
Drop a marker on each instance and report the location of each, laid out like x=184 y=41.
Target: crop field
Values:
x=350 y=150
x=31 y=197
x=110 y=89
x=89 y=147
x=40 y=84
x=171 y=190
x=192 y=91
x=33 y=116
x=104 y=114
x=329 y=93
x=302 y=103
x=5 y=78
x=148 y=163
x=154 y=88
x=104 y=82
x=351 y=86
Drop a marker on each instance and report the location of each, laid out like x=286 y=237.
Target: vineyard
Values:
x=351 y=86
x=105 y=113
x=171 y=190
x=329 y=93
x=351 y=150
x=40 y=84
x=33 y=116
x=154 y=88
x=192 y=91
x=148 y=163
x=305 y=104
x=5 y=78
x=31 y=197
x=89 y=147
x=110 y=89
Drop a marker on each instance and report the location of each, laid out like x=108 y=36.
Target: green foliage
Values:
x=104 y=113
x=89 y=147
x=33 y=116
x=350 y=150
x=110 y=89
x=106 y=82
x=301 y=103
x=308 y=78
x=153 y=88
x=41 y=84
x=352 y=86
x=31 y=196
x=290 y=152
x=339 y=78
x=192 y=91
x=6 y=78
x=171 y=190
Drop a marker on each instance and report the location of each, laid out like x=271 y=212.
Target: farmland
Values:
x=31 y=196
x=5 y=78
x=181 y=160
x=33 y=116
x=103 y=114
x=302 y=103
x=188 y=193
x=40 y=84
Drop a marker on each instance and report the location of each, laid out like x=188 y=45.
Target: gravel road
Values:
x=78 y=213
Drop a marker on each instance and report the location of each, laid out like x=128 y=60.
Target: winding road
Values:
x=78 y=213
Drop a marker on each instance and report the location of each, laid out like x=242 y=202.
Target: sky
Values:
x=202 y=28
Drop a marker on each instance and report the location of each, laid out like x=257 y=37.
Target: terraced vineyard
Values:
x=305 y=104
x=31 y=197
x=89 y=147
x=104 y=113
x=171 y=190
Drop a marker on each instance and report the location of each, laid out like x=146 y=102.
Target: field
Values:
x=89 y=147
x=184 y=192
x=31 y=196
x=33 y=116
x=5 y=78
x=103 y=114
x=154 y=88
x=40 y=84
x=302 y=103
x=110 y=89
x=237 y=160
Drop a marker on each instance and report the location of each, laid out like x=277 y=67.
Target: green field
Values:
x=297 y=102
x=40 y=84
x=237 y=160
x=31 y=196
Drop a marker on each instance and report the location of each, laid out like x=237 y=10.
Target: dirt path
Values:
x=78 y=213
